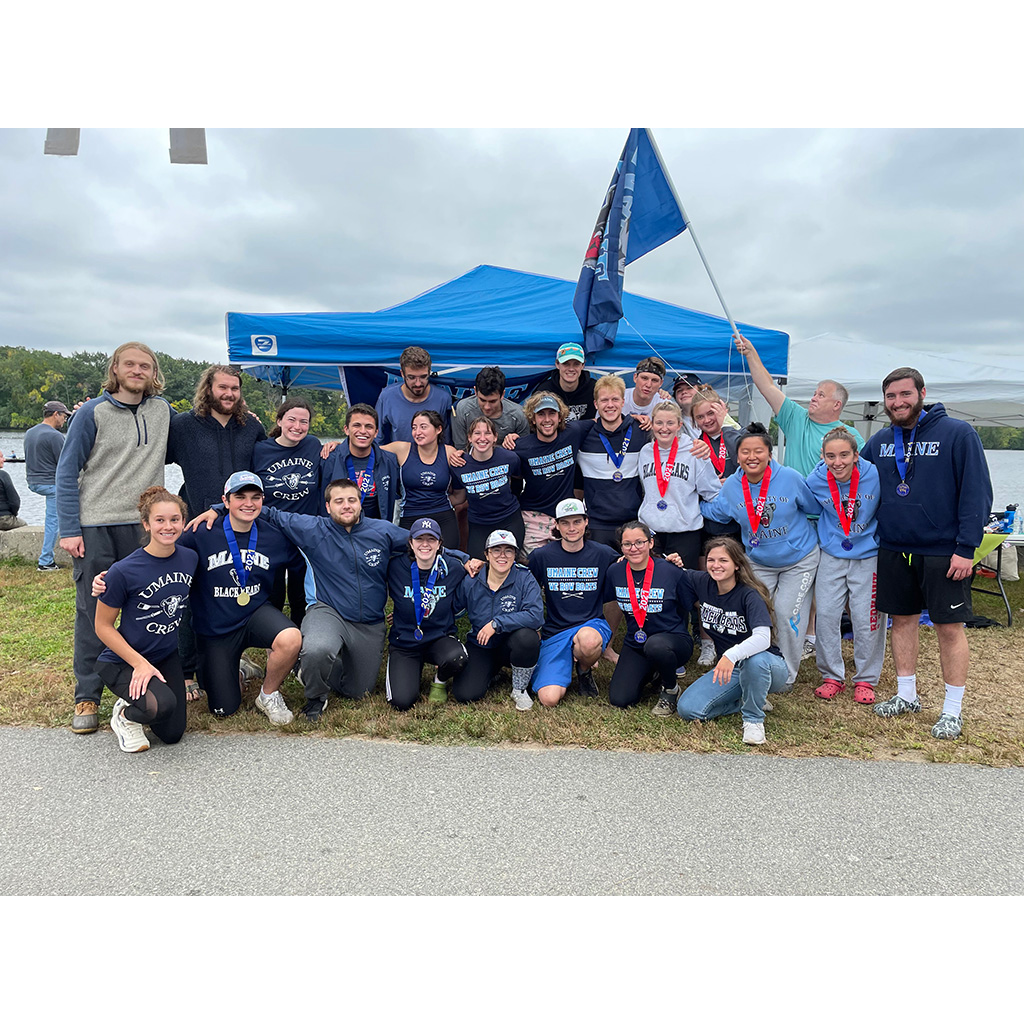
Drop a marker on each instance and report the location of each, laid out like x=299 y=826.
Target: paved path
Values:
x=259 y=814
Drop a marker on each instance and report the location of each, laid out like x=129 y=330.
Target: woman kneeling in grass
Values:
x=149 y=589
x=736 y=612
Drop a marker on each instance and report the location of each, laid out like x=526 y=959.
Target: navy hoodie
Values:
x=950 y=488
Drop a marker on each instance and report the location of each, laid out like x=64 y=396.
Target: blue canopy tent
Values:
x=489 y=316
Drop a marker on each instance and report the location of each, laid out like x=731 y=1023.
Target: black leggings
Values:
x=296 y=590
x=402 y=682
x=161 y=707
x=658 y=658
x=446 y=520
x=520 y=649
x=479 y=532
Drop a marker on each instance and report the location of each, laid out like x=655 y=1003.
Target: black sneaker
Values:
x=313 y=709
x=585 y=681
x=48 y=568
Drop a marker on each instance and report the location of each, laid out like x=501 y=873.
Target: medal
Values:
x=639 y=606
x=243 y=566
x=366 y=482
x=719 y=462
x=669 y=466
x=755 y=513
x=417 y=599
x=904 y=460
x=845 y=509
x=616 y=459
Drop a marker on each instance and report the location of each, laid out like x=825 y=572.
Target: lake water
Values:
x=1007 y=469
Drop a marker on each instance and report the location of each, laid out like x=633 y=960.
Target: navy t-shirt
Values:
x=488 y=486
x=426 y=485
x=549 y=469
x=572 y=583
x=151 y=593
x=730 y=618
x=291 y=476
x=439 y=603
x=215 y=607
x=668 y=604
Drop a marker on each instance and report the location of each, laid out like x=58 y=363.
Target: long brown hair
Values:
x=153 y=387
x=292 y=403
x=203 y=401
x=744 y=571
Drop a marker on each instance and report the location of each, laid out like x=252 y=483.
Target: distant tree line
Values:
x=1002 y=438
x=31 y=377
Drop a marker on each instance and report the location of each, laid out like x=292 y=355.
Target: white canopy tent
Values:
x=986 y=392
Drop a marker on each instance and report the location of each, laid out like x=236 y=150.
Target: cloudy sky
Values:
x=899 y=237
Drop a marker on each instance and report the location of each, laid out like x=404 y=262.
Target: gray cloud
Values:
x=901 y=238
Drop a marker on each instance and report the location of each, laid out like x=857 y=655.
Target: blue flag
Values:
x=639 y=212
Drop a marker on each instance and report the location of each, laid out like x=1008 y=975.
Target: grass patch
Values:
x=36 y=624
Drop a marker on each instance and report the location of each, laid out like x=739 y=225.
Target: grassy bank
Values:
x=37 y=611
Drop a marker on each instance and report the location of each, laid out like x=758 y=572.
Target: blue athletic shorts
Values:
x=554 y=665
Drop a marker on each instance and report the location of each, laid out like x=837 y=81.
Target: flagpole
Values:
x=696 y=242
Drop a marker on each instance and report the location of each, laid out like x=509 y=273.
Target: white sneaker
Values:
x=274 y=707
x=523 y=700
x=707 y=654
x=131 y=736
x=768 y=706
x=753 y=733
x=808 y=651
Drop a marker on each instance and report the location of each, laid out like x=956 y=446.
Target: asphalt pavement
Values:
x=301 y=815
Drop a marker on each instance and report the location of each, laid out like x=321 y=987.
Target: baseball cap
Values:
x=239 y=481
x=690 y=380
x=51 y=407
x=547 y=402
x=425 y=528
x=570 y=507
x=570 y=351
x=498 y=537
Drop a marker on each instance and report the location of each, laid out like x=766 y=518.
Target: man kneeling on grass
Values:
x=571 y=571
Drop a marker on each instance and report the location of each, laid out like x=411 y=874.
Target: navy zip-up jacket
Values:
x=950 y=488
x=348 y=569
x=516 y=604
x=440 y=606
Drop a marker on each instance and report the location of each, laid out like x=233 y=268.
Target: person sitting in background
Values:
x=488 y=400
x=10 y=500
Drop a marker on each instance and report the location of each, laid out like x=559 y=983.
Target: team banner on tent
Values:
x=638 y=214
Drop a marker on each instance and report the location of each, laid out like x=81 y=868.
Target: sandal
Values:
x=829 y=688
x=192 y=691
x=864 y=693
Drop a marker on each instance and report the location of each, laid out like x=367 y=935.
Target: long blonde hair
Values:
x=153 y=387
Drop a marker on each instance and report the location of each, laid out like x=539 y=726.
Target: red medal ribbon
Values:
x=669 y=466
x=753 y=513
x=640 y=607
x=844 y=509
x=718 y=463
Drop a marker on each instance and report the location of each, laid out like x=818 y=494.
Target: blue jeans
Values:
x=48 y=491
x=752 y=680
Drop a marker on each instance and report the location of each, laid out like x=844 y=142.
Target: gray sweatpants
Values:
x=338 y=655
x=790 y=588
x=853 y=579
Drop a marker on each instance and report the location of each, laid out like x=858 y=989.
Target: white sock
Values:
x=810 y=639
x=672 y=692
x=906 y=687
x=264 y=691
x=954 y=699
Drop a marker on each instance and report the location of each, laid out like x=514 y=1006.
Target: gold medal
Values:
x=243 y=599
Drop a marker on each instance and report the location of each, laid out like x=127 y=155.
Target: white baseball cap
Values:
x=570 y=507
x=499 y=537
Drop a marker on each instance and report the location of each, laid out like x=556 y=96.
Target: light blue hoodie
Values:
x=863 y=529
x=787 y=537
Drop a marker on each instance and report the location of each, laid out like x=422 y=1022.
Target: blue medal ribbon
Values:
x=902 y=464
x=242 y=566
x=366 y=484
x=616 y=459
x=417 y=601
